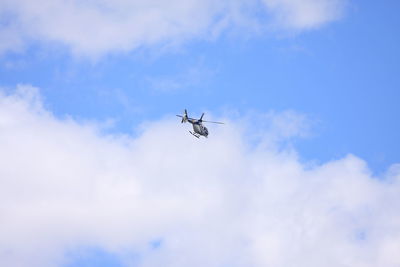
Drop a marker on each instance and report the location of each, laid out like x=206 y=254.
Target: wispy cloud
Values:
x=180 y=201
x=95 y=28
x=304 y=14
x=192 y=77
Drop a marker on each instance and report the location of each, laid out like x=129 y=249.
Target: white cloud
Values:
x=94 y=28
x=210 y=202
x=304 y=14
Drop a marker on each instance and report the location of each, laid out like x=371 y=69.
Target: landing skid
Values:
x=195 y=134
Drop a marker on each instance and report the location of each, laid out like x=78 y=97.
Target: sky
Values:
x=96 y=169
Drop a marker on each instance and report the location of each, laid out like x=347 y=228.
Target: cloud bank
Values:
x=165 y=198
x=95 y=28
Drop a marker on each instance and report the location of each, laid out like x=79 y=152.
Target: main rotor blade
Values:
x=215 y=122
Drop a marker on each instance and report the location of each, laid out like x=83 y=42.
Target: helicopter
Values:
x=198 y=127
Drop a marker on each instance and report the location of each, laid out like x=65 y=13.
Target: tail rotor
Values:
x=184 y=117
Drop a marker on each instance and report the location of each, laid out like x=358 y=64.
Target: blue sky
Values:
x=343 y=75
x=335 y=63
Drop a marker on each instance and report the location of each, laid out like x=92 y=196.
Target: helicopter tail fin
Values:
x=184 y=117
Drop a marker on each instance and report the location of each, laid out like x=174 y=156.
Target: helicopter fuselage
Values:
x=200 y=129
